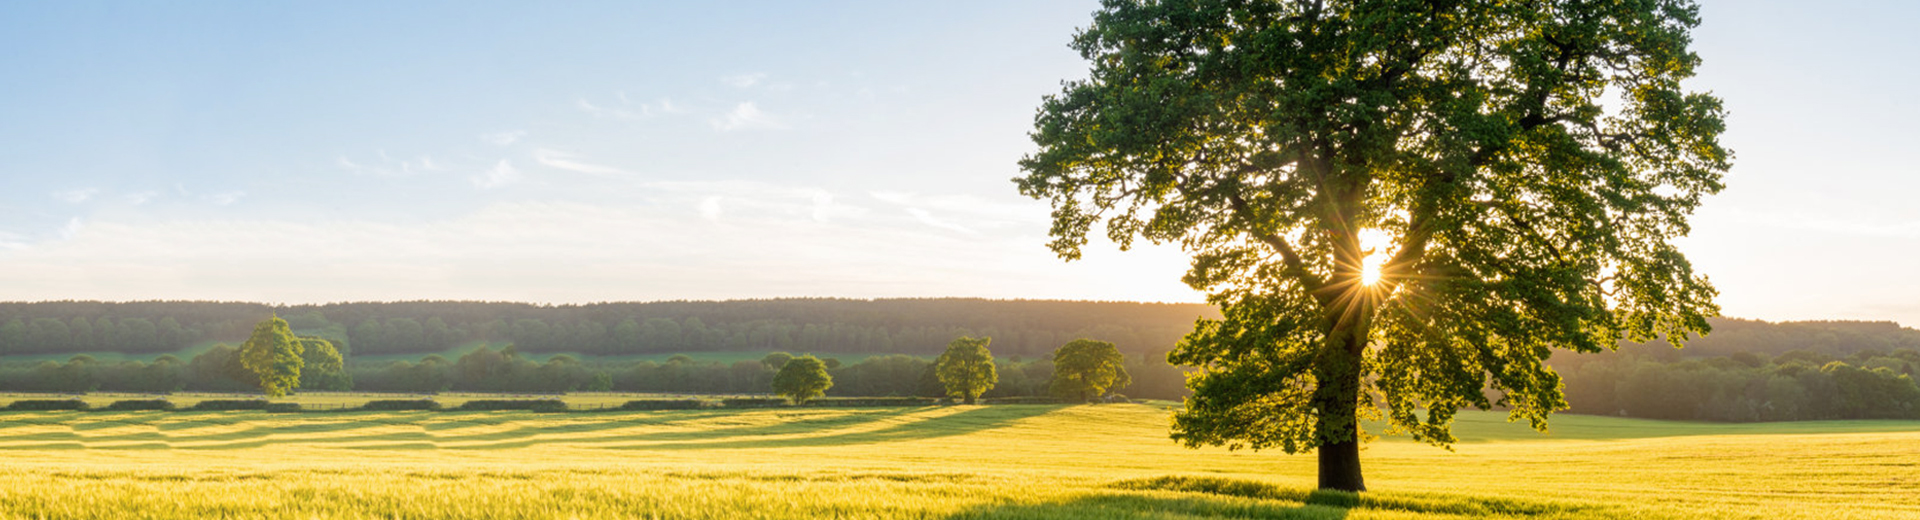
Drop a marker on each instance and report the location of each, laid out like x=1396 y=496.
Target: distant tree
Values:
x=77 y=375
x=82 y=333
x=802 y=379
x=49 y=335
x=626 y=336
x=601 y=382
x=1395 y=205
x=164 y=375
x=13 y=336
x=966 y=368
x=136 y=335
x=323 y=368
x=1084 y=369
x=776 y=360
x=273 y=355
x=219 y=369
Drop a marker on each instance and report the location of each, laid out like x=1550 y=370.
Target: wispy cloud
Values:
x=627 y=109
x=746 y=116
x=225 y=198
x=504 y=138
x=613 y=112
x=499 y=175
x=388 y=166
x=964 y=214
x=141 y=197
x=565 y=161
x=744 y=80
x=72 y=229
x=76 y=196
x=926 y=217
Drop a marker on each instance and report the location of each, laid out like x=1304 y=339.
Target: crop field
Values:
x=330 y=400
x=952 y=462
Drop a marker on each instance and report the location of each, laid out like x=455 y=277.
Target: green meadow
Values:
x=948 y=462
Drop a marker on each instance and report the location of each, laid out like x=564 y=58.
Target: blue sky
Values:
x=581 y=151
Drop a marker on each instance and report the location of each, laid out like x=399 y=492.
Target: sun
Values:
x=1370 y=269
x=1375 y=243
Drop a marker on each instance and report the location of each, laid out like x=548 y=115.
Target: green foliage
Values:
x=1795 y=386
x=537 y=405
x=802 y=378
x=1518 y=211
x=911 y=326
x=47 y=404
x=284 y=408
x=776 y=360
x=1084 y=369
x=667 y=404
x=400 y=404
x=272 y=354
x=323 y=368
x=602 y=382
x=139 y=404
x=230 y=404
x=966 y=368
x=753 y=402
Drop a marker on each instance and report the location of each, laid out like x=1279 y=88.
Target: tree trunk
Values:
x=1337 y=398
x=1340 y=467
x=969 y=399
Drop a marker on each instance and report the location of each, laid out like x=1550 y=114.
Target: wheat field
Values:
x=952 y=462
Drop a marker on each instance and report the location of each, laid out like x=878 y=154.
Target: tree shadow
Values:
x=1420 y=503
x=1130 y=507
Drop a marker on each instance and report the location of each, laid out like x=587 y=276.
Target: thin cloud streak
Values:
x=746 y=116
x=500 y=174
x=565 y=161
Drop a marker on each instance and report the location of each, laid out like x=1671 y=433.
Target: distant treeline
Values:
x=907 y=326
x=1655 y=383
x=508 y=370
x=1744 y=371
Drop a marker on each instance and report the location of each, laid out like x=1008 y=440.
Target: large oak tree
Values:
x=1398 y=205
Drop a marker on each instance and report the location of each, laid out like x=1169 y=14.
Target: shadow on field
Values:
x=1306 y=503
x=486 y=430
x=1127 y=507
x=962 y=423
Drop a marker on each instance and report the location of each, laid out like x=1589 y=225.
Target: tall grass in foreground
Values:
x=1109 y=461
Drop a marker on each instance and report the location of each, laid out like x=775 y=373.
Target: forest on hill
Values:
x=903 y=326
x=891 y=326
x=1745 y=370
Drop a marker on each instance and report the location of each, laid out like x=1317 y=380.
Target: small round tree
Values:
x=272 y=354
x=322 y=366
x=966 y=369
x=1084 y=369
x=802 y=379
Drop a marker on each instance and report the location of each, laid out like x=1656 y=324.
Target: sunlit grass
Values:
x=1110 y=461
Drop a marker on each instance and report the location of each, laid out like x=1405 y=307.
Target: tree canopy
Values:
x=966 y=368
x=1395 y=203
x=322 y=366
x=273 y=355
x=1084 y=369
x=802 y=379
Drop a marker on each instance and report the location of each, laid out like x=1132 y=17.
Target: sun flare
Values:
x=1375 y=243
x=1370 y=269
